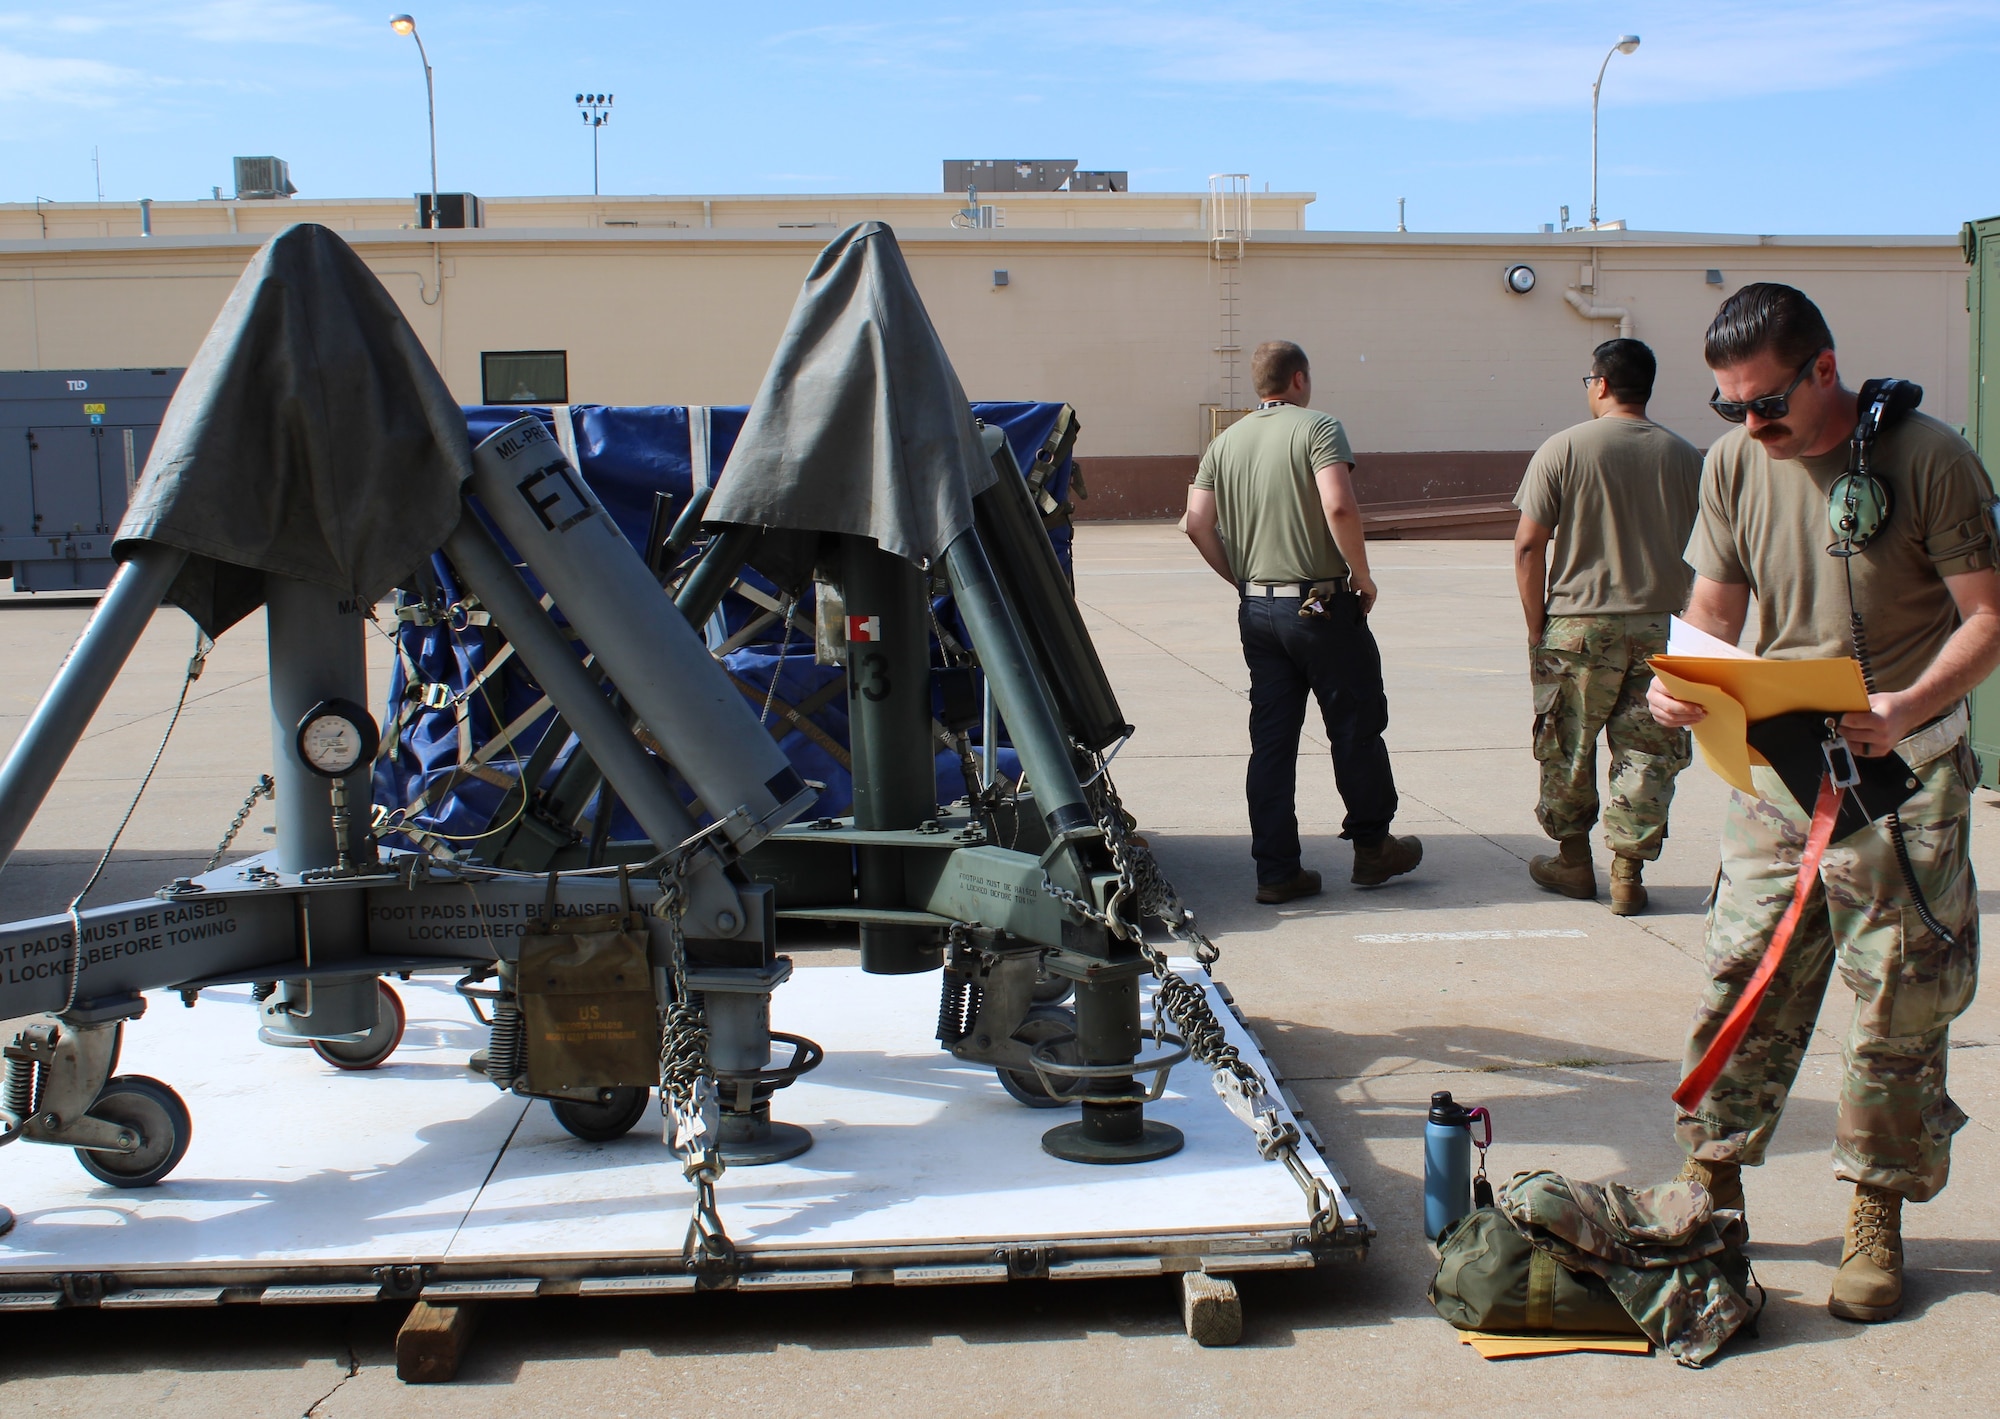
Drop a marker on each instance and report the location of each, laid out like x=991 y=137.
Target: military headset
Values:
x=1858 y=507
x=1859 y=504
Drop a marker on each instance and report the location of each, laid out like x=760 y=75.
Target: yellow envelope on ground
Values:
x=1737 y=693
x=1502 y=1347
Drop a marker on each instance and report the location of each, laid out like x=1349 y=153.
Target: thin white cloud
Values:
x=1446 y=59
x=220 y=22
x=87 y=83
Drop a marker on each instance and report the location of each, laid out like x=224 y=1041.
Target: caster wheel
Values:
x=1052 y=989
x=1044 y=1023
x=600 y=1123
x=154 y=1112
x=380 y=1043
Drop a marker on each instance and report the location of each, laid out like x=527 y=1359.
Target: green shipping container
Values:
x=1981 y=242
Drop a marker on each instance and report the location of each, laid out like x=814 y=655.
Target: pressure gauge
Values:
x=1520 y=279
x=336 y=737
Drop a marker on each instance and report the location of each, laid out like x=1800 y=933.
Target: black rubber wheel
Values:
x=1044 y=1023
x=154 y=1112
x=601 y=1123
x=381 y=1040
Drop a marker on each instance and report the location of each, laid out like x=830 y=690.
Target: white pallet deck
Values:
x=299 y=1172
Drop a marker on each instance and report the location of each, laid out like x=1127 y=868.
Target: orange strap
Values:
x=1703 y=1076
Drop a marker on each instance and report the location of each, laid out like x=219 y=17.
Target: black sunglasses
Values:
x=1771 y=406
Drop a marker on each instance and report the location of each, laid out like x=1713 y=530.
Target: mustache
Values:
x=1771 y=433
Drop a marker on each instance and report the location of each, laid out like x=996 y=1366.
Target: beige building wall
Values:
x=1445 y=379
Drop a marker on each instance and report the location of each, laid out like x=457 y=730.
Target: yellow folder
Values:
x=1503 y=1347
x=1738 y=693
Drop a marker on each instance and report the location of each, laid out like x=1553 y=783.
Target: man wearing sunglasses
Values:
x=1927 y=595
x=1616 y=496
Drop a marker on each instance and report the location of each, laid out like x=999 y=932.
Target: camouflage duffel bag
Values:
x=1491 y=1278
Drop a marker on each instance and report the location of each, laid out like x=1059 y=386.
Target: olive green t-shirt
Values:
x=1267 y=500
x=1764 y=523
x=1621 y=495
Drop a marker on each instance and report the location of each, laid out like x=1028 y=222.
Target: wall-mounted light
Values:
x=1714 y=277
x=1519 y=279
x=999 y=279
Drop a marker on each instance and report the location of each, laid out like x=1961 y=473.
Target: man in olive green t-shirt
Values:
x=1894 y=907
x=1616 y=495
x=1272 y=512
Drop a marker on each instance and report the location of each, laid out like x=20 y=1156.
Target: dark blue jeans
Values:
x=1334 y=658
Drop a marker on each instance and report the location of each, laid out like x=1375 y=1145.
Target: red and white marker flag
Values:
x=864 y=628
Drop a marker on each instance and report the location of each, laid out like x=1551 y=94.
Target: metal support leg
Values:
x=889 y=729
x=1113 y=1127
x=736 y=1001
x=317 y=653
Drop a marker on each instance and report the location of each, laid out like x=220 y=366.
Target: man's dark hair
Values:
x=1628 y=368
x=1272 y=365
x=1766 y=316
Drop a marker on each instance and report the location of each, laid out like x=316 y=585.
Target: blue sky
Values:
x=1784 y=116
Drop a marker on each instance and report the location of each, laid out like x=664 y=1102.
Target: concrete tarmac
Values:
x=1565 y=1021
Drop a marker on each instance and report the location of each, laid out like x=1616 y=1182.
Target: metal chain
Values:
x=1184 y=1005
x=265 y=787
x=688 y=1095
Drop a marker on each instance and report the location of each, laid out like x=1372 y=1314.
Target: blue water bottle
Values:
x=1448 y=1161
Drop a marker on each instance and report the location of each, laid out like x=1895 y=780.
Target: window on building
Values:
x=524 y=377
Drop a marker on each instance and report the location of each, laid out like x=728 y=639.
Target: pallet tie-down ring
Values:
x=1159 y=1066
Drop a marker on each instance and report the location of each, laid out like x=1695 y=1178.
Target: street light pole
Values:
x=596 y=112
x=1626 y=44
x=403 y=24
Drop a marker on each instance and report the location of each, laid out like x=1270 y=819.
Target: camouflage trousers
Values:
x=1590 y=677
x=1895 y=1121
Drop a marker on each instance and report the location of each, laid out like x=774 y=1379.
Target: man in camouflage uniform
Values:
x=1926 y=588
x=1616 y=496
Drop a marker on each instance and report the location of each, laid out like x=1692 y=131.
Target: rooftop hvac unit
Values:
x=1007 y=174
x=455 y=209
x=261 y=178
x=1098 y=182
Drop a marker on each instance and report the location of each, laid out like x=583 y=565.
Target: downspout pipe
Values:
x=1589 y=310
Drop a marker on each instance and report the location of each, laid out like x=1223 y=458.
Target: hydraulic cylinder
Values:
x=316 y=653
x=1026 y=705
x=706 y=729
x=889 y=734
x=1025 y=561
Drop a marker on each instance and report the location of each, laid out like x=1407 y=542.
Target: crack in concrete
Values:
x=1611 y=1064
x=312 y=1411
x=193 y=700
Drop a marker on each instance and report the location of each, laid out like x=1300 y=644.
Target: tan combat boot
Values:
x=1567 y=871
x=1723 y=1181
x=1869 y=1284
x=1628 y=893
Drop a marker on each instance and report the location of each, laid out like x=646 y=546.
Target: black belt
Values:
x=1289 y=590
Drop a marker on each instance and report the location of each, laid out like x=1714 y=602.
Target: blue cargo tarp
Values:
x=454 y=692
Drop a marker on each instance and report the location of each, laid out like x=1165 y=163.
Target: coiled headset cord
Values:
x=1894 y=819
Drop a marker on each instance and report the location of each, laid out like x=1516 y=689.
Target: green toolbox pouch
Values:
x=1491 y=1278
x=586 y=992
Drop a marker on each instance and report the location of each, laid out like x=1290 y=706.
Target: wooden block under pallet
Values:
x=433 y=1341
x=1211 y=1310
